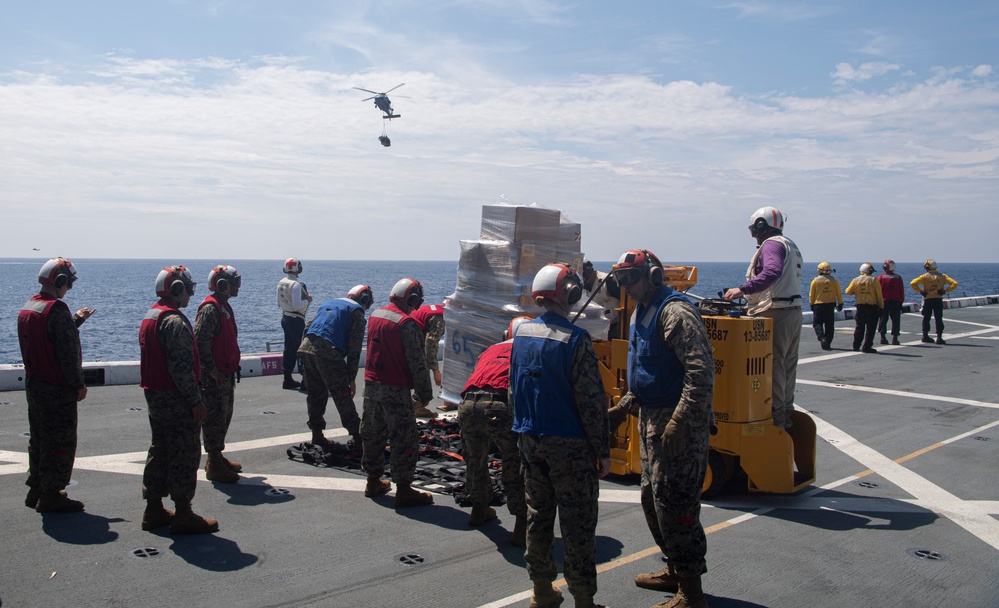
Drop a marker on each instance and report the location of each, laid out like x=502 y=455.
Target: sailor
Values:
x=893 y=291
x=825 y=297
x=218 y=350
x=867 y=290
x=609 y=295
x=53 y=370
x=170 y=374
x=293 y=298
x=933 y=286
x=430 y=319
x=395 y=365
x=773 y=289
x=331 y=354
x=486 y=419
x=671 y=375
x=561 y=414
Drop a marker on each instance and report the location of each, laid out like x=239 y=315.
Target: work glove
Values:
x=839 y=308
x=673 y=436
x=923 y=293
x=941 y=292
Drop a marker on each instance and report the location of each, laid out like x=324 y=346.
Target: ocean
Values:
x=121 y=291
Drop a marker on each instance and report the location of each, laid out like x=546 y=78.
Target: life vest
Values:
x=153 y=372
x=225 y=346
x=785 y=292
x=386 y=359
x=892 y=287
x=286 y=300
x=655 y=375
x=332 y=322
x=422 y=314
x=541 y=372
x=37 y=349
x=492 y=369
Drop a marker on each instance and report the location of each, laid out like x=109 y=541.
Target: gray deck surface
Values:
x=908 y=461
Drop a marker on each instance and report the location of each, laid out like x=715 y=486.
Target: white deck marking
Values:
x=887 y=391
x=886 y=348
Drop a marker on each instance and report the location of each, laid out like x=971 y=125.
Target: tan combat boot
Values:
x=480 y=515
x=57 y=502
x=236 y=467
x=405 y=496
x=690 y=595
x=664 y=580
x=519 y=538
x=376 y=487
x=216 y=469
x=545 y=596
x=424 y=412
x=155 y=515
x=186 y=521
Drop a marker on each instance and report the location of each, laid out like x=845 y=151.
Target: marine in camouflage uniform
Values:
x=433 y=331
x=176 y=413
x=387 y=412
x=564 y=439
x=327 y=371
x=671 y=377
x=54 y=384
x=218 y=350
x=486 y=419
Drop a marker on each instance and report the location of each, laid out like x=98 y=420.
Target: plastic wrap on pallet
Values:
x=498 y=273
x=516 y=223
x=472 y=327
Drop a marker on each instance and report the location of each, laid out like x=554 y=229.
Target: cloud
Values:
x=982 y=71
x=238 y=155
x=846 y=73
x=780 y=12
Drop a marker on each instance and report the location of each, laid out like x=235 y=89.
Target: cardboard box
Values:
x=517 y=223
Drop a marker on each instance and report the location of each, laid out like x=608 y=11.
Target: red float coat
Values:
x=421 y=314
x=386 y=360
x=37 y=350
x=153 y=371
x=492 y=370
x=225 y=348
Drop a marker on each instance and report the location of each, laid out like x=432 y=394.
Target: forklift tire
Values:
x=716 y=475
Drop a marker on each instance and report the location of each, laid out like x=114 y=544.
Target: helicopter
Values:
x=382 y=101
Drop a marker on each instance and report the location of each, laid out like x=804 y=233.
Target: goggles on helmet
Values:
x=629 y=276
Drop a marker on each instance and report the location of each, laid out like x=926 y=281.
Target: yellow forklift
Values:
x=744 y=439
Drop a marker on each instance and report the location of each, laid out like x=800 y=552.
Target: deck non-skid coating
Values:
x=906 y=472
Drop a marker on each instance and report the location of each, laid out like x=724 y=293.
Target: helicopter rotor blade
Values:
x=393 y=88
x=369 y=98
x=367 y=91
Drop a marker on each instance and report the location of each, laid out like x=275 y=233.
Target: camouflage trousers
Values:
x=560 y=477
x=388 y=415
x=485 y=420
x=324 y=376
x=175 y=450
x=219 y=401
x=52 y=418
x=671 y=491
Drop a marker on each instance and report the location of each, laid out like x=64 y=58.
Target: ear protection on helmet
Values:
x=889 y=266
x=930 y=265
x=361 y=294
x=57 y=272
x=557 y=280
x=764 y=219
x=222 y=277
x=642 y=260
x=408 y=291
x=174 y=281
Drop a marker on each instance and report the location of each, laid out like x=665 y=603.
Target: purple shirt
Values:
x=769 y=266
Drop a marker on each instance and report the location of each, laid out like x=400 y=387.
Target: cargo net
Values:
x=440 y=469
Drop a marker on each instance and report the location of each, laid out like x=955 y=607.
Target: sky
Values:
x=229 y=130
